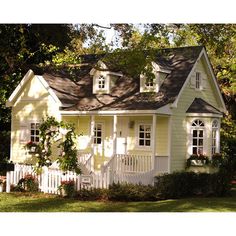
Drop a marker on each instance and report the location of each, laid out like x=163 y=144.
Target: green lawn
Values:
x=26 y=202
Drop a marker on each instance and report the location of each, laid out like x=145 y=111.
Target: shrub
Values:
x=67 y=188
x=187 y=184
x=176 y=185
x=92 y=194
x=28 y=183
x=131 y=192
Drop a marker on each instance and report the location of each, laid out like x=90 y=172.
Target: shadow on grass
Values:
x=49 y=203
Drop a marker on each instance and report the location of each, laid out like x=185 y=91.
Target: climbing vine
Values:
x=50 y=131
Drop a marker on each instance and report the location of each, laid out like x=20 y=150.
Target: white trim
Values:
x=121 y=112
x=145 y=148
x=203 y=115
x=153 y=139
x=26 y=78
x=203 y=52
x=215 y=80
x=50 y=91
x=170 y=123
x=174 y=104
x=114 y=134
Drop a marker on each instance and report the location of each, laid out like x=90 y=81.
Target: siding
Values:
x=179 y=122
x=33 y=104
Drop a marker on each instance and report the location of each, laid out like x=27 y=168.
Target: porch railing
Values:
x=86 y=161
x=130 y=163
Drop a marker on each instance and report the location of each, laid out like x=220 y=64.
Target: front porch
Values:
x=128 y=144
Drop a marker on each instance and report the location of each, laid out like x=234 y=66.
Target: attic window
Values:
x=101 y=82
x=198 y=80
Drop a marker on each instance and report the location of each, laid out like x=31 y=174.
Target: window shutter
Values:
x=204 y=82
x=24 y=133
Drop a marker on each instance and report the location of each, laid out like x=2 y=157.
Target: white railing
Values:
x=86 y=161
x=138 y=178
x=120 y=163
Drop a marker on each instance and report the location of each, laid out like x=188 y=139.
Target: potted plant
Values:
x=31 y=147
x=67 y=188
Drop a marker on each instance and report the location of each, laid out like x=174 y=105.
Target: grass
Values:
x=38 y=202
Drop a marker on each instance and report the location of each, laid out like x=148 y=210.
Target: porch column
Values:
x=114 y=133
x=92 y=125
x=154 y=127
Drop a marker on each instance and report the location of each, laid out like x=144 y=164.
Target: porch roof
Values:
x=76 y=93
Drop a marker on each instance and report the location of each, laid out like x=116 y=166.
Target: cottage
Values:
x=129 y=124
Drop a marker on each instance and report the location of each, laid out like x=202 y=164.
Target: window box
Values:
x=197 y=160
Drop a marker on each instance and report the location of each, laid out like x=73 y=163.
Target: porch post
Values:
x=114 y=133
x=154 y=127
x=92 y=125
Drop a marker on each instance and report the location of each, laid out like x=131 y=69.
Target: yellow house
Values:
x=127 y=124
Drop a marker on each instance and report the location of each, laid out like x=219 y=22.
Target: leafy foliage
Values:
x=186 y=184
x=50 y=129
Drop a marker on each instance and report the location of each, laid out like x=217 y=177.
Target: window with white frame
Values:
x=101 y=82
x=34 y=132
x=197 y=137
x=215 y=130
x=98 y=133
x=144 y=135
x=198 y=80
x=149 y=83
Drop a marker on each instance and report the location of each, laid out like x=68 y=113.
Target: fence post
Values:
x=45 y=179
x=8 y=183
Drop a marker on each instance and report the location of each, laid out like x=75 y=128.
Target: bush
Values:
x=28 y=183
x=92 y=194
x=188 y=184
x=67 y=188
x=131 y=192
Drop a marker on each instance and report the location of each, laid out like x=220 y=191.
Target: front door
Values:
x=122 y=133
x=98 y=139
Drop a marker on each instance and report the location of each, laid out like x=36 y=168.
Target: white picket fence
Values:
x=50 y=179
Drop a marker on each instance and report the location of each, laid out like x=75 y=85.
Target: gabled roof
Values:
x=77 y=95
x=200 y=106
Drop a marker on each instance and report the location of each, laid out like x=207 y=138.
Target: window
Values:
x=215 y=128
x=197 y=137
x=34 y=132
x=198 y=80
x=144 y=135
x=98 y=134
x=149 y=83
x=101 y=82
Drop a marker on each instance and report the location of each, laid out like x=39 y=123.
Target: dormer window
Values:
x=149 y=83
x=152 y=83
x=101 y=82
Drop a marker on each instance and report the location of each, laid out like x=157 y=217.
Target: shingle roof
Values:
x=200 y=106
x=125 y=95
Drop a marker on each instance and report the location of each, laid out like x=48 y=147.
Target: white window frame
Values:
x=149 y=81
x=35 y=136
x=101 y=82
x=215 y=133
x=95 y=137
x=198 y=128
x=198 y=80
x=138 y=138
